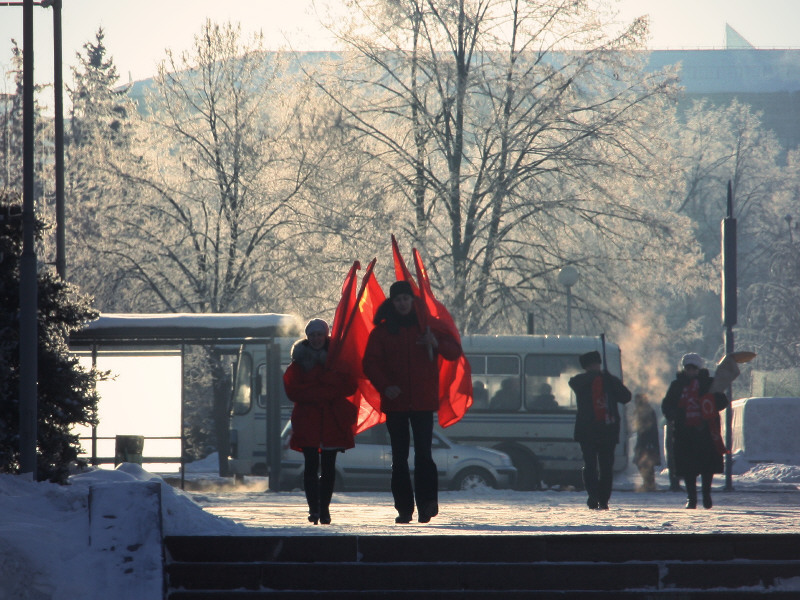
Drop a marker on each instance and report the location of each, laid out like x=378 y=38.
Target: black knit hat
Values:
x=590 y=358
x=400 y=287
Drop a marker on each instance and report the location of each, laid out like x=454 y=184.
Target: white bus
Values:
x=523 y=405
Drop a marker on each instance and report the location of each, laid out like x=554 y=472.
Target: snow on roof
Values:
x=132 y=327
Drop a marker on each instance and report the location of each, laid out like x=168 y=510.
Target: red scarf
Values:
x=702 y=408
x=690 y=403
x=600 y=402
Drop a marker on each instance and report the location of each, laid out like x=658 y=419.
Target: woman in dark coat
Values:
x=398 y=363
x=694 y=412
x=322 y=419
x=647 y=451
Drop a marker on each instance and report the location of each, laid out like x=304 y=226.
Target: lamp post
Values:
x=568 y=276
x=28 y=293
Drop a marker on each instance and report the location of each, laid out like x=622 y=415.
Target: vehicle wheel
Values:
x=471 y=478
x=529 y=474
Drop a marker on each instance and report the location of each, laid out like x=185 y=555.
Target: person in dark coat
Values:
x=694 y=412
x=322 y=418
x=398 y=363
x=598 y=394
x=647 y=451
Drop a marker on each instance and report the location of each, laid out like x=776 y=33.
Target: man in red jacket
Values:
x=399 y=363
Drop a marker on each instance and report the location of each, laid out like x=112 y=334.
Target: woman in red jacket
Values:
x=322 y=418
x=398 y=363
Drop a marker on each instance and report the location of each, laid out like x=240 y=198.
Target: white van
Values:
x=765 y=430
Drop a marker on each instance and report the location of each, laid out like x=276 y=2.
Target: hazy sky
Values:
x=138 y=31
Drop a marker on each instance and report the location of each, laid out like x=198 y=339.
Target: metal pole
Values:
x=729 y=316
x=28 y=298
x=183 y=434
x=95 y=462
x=58 y=88
x=569 y=310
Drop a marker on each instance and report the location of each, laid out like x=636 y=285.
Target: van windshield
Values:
x=242 y=392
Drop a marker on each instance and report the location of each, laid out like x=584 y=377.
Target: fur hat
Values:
x=590 y=358
x=316 y=325
x=692 y=359
x=400 y=287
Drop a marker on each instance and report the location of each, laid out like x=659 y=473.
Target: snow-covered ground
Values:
x=50 y=547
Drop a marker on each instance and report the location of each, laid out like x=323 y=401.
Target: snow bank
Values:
x=50 y=550
x=765 y=430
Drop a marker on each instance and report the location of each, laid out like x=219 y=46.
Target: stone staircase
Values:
x=675 y=566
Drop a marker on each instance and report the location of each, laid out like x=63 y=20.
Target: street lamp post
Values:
x=568 y=276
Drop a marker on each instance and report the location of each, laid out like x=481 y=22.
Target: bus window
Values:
x=262 y=392
x=547 y=381
x=242 y=395
x=495 y=382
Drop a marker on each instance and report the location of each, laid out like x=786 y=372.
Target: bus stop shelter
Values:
x=152 y=333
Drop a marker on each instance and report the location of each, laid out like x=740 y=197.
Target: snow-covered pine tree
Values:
x=66 y=391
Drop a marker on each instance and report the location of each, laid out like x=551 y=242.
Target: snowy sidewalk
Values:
x=503 y=512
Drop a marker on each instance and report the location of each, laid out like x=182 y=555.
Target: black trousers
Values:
x=598 y=470
x=319 y=487
x=426 y=481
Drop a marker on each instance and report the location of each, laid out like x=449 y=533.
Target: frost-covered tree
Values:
x=66 y=392
x=11 y=139
x=769 y=298
x=204 y=218
x=715 y=145
x=98 y=131
x=512 y=138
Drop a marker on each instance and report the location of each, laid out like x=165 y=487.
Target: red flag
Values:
x=401 y=271
x=348 y=352
x=455 y=377
x=342 y=315
x=371 y=297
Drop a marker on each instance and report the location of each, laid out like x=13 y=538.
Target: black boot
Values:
x=706 y=485
x=311 y=485
x=691 y=492
x=327 y=481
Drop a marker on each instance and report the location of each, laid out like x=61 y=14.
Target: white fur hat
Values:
x=692 y=359
x=316 y=325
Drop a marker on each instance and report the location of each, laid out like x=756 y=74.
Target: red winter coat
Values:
x=396 y=359
x=322 y=416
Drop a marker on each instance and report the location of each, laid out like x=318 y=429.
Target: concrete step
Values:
x=563 y=566
x=477 y=548
x=483 y=594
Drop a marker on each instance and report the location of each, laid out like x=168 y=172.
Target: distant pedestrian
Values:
x=322 y=419
x=598 y=394
x=401 y=361
x=694 y=412
x=647 y=451
x=669 y=454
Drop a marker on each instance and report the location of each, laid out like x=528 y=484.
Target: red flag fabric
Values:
x=455 y=377
x=357 y=323
x=401 y=271
x=342 y=315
